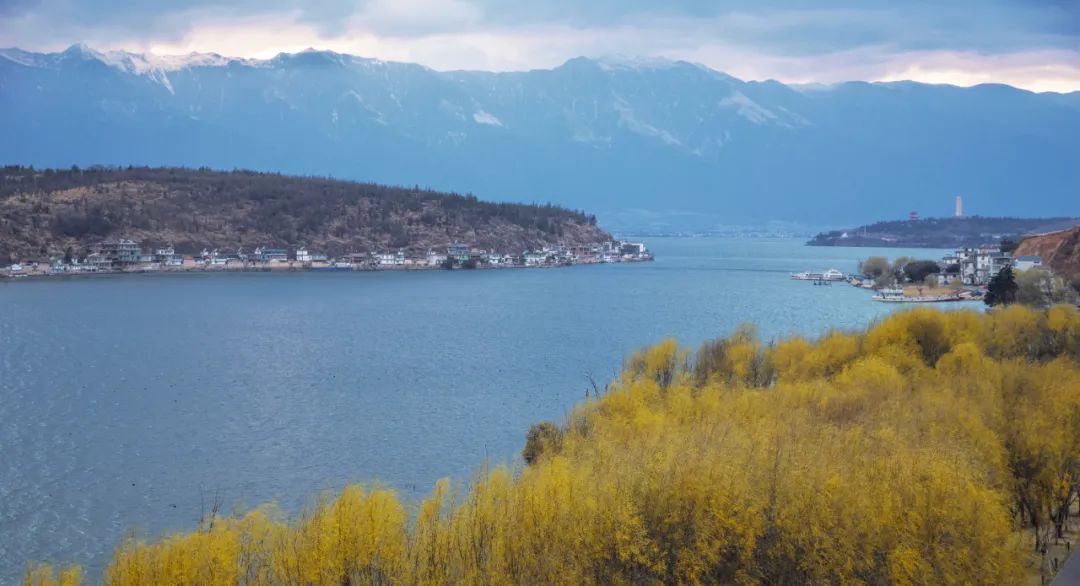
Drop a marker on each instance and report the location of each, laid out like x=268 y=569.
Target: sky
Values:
x=1033 y=44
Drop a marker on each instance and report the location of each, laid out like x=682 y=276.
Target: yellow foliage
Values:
x=911 y=453
x=45 y=575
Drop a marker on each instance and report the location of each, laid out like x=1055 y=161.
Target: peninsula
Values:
x=139 y=218
x=950 y=232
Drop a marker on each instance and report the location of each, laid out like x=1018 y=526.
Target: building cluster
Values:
x=117 y=255
x=127 y=255
x=976 y=266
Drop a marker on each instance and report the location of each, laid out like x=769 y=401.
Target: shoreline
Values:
x=38 y=275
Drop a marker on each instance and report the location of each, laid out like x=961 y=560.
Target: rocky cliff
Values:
x=1059 y=250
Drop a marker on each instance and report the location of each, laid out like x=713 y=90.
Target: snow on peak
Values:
x=630 y=63
x=142 y=63
x=482 y=117
x=628 y=119
x=748 y=108
x=155 y=67
x=22 y=57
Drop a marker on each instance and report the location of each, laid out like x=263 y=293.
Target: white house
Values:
x=979 y=265
x=168 y=257
x=534 y=258
x=390 y=258
x=435 y=259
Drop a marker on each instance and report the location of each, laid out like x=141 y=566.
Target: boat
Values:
x=896 y=295
x=890 y=295
x=829 y=275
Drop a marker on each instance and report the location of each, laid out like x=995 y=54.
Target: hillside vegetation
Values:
x=933 y=448
x=44 y=213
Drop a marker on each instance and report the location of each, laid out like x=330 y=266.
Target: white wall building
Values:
x=390 y=258
x=435 y=259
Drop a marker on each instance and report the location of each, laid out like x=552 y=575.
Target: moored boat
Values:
x=896 y=295
x=829 y=275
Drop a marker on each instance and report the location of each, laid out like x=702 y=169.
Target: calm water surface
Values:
x=125 y=399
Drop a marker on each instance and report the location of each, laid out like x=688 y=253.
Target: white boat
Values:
x=896 y=295
x=829 y=275
x=890 y=295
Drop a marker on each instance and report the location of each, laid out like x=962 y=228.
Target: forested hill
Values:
x=942 y=232
x=44 y=212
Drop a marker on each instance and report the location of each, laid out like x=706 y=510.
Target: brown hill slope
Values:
x=1059 y=250
x=43 y=213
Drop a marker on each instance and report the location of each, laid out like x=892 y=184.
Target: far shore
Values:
x=44 y=272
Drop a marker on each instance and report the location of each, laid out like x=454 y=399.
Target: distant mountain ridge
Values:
x=610 y=135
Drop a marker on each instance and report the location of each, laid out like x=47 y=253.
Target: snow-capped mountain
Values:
x=609 y=135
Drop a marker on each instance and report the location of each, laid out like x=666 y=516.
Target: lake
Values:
x=128 y=400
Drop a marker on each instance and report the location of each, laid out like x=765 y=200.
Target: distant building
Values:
x=1023 y=263
x=496 y=259
x=302 y=255
x=913 y=216
x=998 y=261
x=389 y=258
x=950 y=265
x=215 y=258
x=263 y=254
x=435 y=259
x=97 y=261
x=118 y=253
x=959 y=207
x=357 y=258
x=167 y=257
x=535 y=258
x=458 y=251
x=978 y=265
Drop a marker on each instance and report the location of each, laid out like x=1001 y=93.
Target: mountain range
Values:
x=646 y=144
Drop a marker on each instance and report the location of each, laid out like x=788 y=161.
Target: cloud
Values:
x=1027 y=43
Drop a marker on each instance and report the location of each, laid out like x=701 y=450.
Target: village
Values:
x=123 y=255
x=960 y=276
